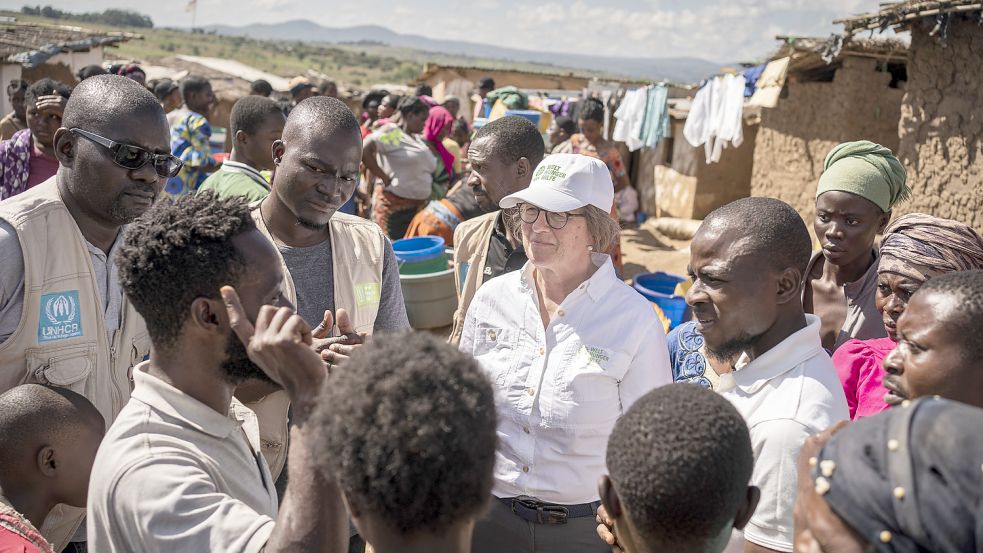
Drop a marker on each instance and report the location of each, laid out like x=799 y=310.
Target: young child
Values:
x=408 y=432
x=48 y=441
x=679 y=463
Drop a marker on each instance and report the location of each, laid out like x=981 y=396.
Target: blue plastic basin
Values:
x=418 y=249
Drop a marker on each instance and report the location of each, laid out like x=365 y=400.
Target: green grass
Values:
x=354 y=64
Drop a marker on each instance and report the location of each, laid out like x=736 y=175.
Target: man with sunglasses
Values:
x=63 y=318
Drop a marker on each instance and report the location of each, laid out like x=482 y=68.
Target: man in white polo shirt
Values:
x=747 y=263
x=181 y=469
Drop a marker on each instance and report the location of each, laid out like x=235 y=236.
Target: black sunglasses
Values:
x=132 y=157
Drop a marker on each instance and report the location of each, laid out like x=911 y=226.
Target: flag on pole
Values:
x=192 y=4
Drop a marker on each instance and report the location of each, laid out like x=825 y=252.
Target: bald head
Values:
x=33 y=415
x=98 y=103
x=320 y=116
x=763 y=226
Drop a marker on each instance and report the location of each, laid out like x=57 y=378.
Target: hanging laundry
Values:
x=770 y=84
x=656 y=125
x=630 y=117
x=715 y=119
x=751 y=75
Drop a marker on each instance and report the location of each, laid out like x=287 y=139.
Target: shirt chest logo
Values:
x=59 y=316
x=368 y=293
x=593 y=355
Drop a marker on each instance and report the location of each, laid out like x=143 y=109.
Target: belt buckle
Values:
x=552 y=514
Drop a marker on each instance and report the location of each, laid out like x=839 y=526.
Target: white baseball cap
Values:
x=564 y=182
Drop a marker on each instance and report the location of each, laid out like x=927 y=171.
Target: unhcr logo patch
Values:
x=551 y=173
x=59 y=316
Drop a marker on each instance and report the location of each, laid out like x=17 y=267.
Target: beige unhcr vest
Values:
x=357 y=251
x=61 y=338
x=471 y=240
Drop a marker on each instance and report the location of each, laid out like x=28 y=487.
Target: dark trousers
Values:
x=501 y=531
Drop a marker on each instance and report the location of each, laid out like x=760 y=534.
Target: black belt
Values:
x=539 y=512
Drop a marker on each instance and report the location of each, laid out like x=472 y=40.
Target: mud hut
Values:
x=835 y=90
x=941 y=120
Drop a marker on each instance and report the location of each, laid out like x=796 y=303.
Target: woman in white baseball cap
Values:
x=569 y=347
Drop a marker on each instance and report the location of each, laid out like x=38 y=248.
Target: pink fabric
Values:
x=437 y=121
x=860 y=365
x=42 y=166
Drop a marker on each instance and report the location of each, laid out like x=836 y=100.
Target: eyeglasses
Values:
x=530 y=214
x=132 y=157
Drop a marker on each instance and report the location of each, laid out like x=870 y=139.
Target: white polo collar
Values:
x=752 y=375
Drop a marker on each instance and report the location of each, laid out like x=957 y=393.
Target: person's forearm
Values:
x=371 y=163
x=312 y=515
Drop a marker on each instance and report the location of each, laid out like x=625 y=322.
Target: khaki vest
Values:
x=358 y=250
x=471 y=240
x=61 y=338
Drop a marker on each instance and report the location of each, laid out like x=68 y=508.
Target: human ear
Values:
x=789 y=285
x=522 y=167
x=609 y=497
x=205 y=313
x=750 y=502
x=240 y=137
x=65 y=146
x=278 y=149
x=47 y=464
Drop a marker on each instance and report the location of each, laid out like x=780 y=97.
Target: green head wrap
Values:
x=866 y=169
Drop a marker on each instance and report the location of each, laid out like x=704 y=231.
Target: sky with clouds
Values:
x=718 y=30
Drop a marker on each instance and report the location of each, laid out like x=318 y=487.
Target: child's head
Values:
x=679 y=461
x=408 y=432
x=48 y=441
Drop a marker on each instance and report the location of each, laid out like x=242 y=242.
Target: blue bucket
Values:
x=659 y=289
x=529 y=114
x=418 y=249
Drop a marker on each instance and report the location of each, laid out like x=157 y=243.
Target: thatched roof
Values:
x=901 y=14
x=32 y=44
x=811 y=53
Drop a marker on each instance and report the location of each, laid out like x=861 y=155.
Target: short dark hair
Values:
x=592 y=109
x=164 y=88
x=31 y=412
x=249 y=113
x=515 y=137
x=374 y=96
x=966 y=289
x=423 y=89
x=192 y=84
x=567 y=125
x=16 y=85
x=771 y=226
x=486 y=83
x=680 y=460
x=392 y=100
x=91 y=71
x=408 y=431
x=46 y=87
x=409 y=105
x=324 y=114
x=261 y=87
x=177 y=252
x=99 y=101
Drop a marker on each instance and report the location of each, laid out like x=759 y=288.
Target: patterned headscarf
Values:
x=908 y=480
x=918 y=241
x=15 y=162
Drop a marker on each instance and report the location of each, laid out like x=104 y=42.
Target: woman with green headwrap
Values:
x=860 y=184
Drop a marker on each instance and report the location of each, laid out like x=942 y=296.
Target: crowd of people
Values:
x=207 y=354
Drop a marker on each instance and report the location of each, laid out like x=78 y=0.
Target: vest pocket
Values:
x=65 y=367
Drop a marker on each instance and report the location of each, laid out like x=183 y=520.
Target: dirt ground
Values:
x=645 y=250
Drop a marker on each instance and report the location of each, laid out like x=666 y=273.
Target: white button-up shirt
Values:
x=172 y=474
x=786 y=395
x=559 y=390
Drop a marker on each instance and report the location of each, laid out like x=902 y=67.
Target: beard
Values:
x=731 y=349
x=237 y=366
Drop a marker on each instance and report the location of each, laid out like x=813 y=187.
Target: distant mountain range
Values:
x=681 y=70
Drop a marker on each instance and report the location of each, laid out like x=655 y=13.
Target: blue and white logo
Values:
x=59 y=318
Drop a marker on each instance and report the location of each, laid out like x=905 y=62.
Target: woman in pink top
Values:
x=915 y=248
